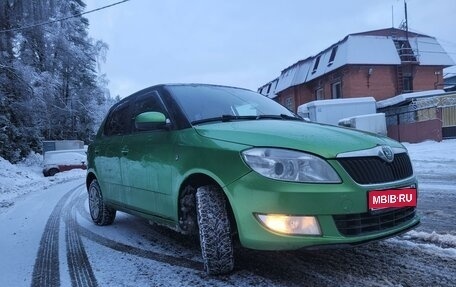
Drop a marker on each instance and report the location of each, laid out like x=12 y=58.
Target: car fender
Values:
x=91 y=174
x=205 y=172
x=49 y=167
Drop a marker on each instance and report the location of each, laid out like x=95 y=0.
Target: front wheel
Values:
x=101 y=213
x=214 y=230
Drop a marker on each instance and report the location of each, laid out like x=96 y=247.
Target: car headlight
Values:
x=289 y=165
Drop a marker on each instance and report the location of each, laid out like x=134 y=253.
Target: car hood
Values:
x=324 y=140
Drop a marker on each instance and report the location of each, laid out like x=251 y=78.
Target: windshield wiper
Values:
x=279 y=117
x=293 y=118
x=229 y=118
x=224 y=118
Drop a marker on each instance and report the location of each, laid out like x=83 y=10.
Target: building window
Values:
x=317 y=61
x=289 y=103
x=333 y=56
x=319 y=95
x=336 y=91
x=408 y=83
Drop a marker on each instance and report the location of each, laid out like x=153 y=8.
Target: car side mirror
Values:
x=151 y=121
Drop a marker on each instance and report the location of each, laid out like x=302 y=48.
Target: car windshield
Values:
x=204 y=103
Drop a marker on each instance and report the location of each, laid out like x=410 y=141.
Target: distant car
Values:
x=230 y=164
x=63 y=160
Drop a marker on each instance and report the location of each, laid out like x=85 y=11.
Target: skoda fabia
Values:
x=229 y=164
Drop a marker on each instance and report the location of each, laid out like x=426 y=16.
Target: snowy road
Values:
x=48 y=239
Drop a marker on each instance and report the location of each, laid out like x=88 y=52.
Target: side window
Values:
x=118 y=122
x=150 y=102
x=336 y=90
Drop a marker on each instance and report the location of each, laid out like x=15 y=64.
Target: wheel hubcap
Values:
x=94 y=202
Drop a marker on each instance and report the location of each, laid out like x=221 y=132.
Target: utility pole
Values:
x=406 y=21
x=392 y=16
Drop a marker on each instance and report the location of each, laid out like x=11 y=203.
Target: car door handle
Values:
x=124 y=151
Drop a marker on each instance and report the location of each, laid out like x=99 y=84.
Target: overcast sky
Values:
x=242 y=43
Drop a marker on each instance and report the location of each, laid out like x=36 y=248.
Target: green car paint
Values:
x=144 y=171
x=325 y=140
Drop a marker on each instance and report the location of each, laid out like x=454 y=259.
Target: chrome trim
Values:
x=376 y=151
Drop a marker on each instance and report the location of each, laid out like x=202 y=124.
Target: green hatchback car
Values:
x=229 y=164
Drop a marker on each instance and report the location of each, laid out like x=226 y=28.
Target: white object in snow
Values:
x=331 y=111
x=65 y=157
x=62 y=145
x=374 y=123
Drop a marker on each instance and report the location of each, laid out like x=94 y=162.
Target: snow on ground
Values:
x=431 y=158
x=438 y=239
x=19 y=179
x=432 y=151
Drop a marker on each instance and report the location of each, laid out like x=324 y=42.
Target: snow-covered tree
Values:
x=49 y=85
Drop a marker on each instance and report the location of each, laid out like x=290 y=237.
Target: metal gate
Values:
x=449 y=122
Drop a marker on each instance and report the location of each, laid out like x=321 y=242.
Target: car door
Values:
x=108 y=152
x=146 y=159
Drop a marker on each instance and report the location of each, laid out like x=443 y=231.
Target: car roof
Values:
x=66 y=151
x=181 y=85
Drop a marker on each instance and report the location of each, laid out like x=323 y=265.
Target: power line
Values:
x=439 y=39
x=61 y=19
x=436 y=52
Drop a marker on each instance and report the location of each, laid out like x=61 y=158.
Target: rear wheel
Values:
x=214 y=230
x=101 y=213
x=52 y=172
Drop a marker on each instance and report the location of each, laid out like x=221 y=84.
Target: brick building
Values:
x=381 y=64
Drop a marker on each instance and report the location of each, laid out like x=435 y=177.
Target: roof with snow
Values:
x=269 y=89
x=449 y=83
x=406 y=98
x=378 y=47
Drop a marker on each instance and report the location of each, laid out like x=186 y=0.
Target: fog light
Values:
x=303 y=225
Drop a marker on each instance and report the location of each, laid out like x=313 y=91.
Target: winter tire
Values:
x=101 y=213
x=214 y=230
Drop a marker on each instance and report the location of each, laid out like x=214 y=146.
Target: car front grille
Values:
x=371 y=170
x=365 y=223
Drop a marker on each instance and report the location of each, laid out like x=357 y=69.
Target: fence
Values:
x=434 y=118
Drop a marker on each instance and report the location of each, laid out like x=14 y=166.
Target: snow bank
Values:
x=433 y=151
x=432 y=158
x=428 y=248
x=448 y=240
x=26 y=176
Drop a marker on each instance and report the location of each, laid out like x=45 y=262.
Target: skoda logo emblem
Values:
x=386 y=153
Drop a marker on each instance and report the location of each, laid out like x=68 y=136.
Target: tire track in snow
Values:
x=46 y=270
x=124 y=248
x=79 y=267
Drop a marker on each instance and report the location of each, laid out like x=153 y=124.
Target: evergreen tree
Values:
x=49 y=86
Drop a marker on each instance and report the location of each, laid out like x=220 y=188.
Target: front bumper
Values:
x=256 y=194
